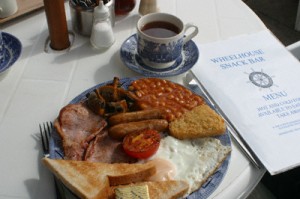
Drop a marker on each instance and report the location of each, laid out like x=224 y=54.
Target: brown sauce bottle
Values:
x=123 y=7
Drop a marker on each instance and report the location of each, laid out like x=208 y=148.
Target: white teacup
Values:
x=161 y=37
x=8 y=8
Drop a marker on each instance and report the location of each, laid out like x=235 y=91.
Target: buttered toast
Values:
x=170 y=189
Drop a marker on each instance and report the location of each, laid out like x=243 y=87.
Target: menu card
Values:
x=256 y=83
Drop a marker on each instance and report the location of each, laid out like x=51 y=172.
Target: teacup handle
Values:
x=192 y=34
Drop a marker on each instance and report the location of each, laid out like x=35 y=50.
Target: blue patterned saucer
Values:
x=133 y=61
x=11 y=50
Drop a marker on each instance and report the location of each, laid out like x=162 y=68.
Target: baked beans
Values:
x=172 y=98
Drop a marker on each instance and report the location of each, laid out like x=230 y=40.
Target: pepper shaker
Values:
x=102 y=34
x=57 y=24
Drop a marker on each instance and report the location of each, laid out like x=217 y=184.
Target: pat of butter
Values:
x=132 y=192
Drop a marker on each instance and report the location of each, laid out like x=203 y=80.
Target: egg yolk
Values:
x=165 y=170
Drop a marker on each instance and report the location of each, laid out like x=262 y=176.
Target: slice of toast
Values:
x=92 y=179
x=201 y=121
x=170 y=189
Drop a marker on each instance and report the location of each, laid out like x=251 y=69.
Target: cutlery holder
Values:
x=82 y=17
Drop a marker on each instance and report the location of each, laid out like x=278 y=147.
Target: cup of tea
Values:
x=161 y=37
x=8 y=8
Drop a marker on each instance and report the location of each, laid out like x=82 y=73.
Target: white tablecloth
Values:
x=39 y=84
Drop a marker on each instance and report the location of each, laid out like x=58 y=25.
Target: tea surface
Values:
x=160 y=29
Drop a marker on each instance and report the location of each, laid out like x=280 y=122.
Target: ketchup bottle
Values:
x=123 y=7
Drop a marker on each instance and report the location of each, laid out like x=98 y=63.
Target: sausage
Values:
x=135 y=116
x=119 y=131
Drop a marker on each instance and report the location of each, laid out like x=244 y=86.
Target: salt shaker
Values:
x=102 y=34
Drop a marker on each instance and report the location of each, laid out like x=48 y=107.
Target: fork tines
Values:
x=45 y=131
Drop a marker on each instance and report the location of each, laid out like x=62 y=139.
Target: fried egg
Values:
x=191 y=160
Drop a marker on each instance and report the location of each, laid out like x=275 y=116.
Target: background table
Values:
x=40 y=84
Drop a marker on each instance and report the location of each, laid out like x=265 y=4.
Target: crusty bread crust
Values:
x=170 y=189
x=202 y=121
x=124 y=177
x=90 y=179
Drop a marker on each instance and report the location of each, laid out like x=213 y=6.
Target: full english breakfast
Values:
x=152 y=122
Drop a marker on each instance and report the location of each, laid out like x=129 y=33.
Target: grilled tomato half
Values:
x=141 y=144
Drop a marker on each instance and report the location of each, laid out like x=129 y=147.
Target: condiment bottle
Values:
x=147 y=6
x=102 y=34
x=123 y=7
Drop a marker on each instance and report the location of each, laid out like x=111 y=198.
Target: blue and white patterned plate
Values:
x=133 y=61
x=12 y=50
x=56 y=151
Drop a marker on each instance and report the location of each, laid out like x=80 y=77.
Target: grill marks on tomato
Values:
x=142 y=144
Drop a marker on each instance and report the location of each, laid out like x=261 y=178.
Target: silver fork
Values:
x=45 y=132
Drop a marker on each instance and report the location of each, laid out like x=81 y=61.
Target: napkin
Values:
x=255 y=81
